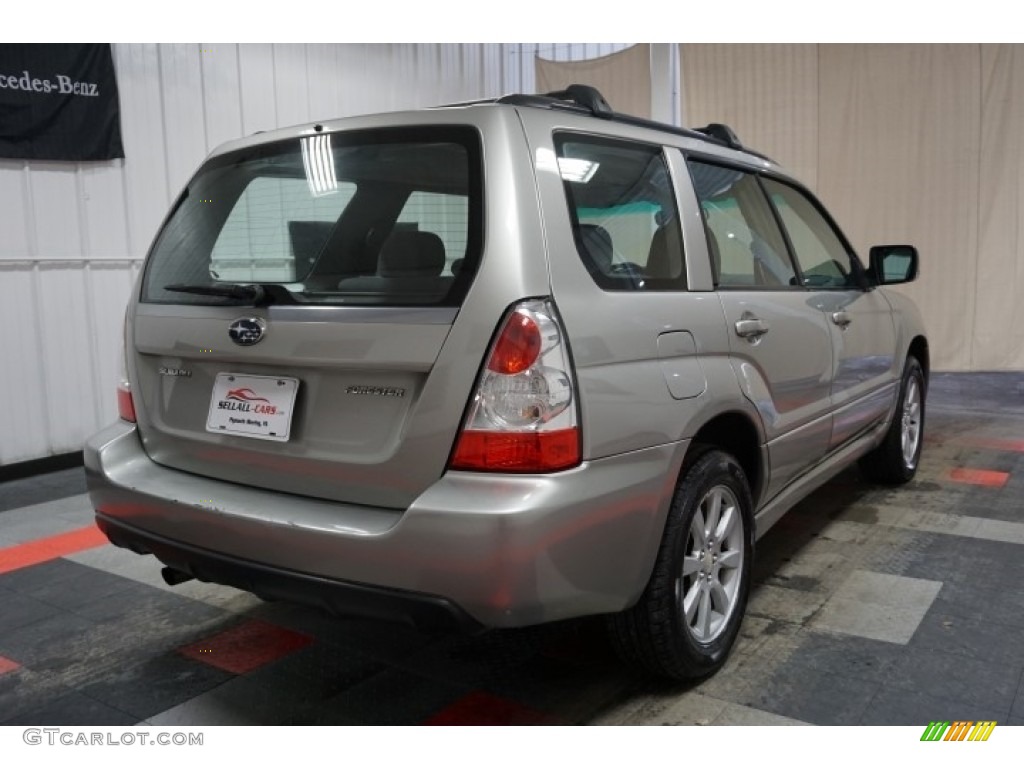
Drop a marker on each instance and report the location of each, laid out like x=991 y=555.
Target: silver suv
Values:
x=498 y=364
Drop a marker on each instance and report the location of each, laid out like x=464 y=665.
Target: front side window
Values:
x=823 y=258
x=386 y=217
x=746 y=246
x=623 y=212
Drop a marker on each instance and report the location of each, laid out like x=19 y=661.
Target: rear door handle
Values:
x=842 y=319
x=751 y=328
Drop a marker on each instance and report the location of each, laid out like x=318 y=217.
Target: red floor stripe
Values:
x=246 y=647
x=479 y=708
x=50 y=548
x=987 y=477
x=996 y=444
x=6 y=665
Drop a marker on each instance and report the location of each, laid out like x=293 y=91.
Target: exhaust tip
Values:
x=173 y=577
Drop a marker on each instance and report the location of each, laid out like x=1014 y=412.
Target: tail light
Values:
x=522 y=417
x=125 y=403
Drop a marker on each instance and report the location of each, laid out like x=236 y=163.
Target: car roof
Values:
x=581 y=100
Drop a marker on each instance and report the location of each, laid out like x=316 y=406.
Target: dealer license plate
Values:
x=252 y=406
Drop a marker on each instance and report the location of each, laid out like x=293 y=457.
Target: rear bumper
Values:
x=497 y=550
x=339 y=597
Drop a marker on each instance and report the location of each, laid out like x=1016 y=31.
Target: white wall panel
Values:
x=102 y=210
x=492 y=68
x=67 y=384
x=23 y=422
x=400 y=80
x=258 y=100
x=522 y=80
x=16 y=209
x=426 y=64
x=291 y=84
x=452 y=81
x=53 y=195
x=222 y=94
x=184 y=115
x=142 y=130
x=356 y=79
x=323 y=82
x=72 y=235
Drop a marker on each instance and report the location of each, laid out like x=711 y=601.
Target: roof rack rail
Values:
x=588 y=100
x=586 y=96
x=582 y=97
x=723 y=133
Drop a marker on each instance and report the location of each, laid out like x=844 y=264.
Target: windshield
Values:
x=388 y=217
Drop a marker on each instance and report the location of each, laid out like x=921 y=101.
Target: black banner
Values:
x=59 y=102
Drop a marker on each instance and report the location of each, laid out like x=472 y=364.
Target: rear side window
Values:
x=746 y=245
x=386 y=217
x=623 y=213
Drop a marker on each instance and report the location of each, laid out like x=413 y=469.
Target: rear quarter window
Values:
x=623 y=213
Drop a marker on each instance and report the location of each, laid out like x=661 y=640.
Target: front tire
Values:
x=895 y=461
x=689 y=615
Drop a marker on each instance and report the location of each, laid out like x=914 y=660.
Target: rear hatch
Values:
x=293 y=308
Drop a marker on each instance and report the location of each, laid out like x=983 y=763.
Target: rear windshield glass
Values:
x=388 y=217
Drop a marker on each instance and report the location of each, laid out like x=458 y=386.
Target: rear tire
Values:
x=689 y=615
x=895 y=461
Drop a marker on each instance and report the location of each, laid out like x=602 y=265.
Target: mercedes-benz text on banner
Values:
x=59 y=102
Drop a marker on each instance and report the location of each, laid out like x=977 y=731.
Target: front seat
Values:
x=665 y=257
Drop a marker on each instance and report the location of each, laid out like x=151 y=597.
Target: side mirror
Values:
x=892 y=264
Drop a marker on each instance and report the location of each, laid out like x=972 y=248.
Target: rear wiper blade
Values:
x=259 y=294
x=227 y=290
x=254 y=293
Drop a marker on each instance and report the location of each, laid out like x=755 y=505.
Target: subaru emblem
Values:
x=247 y=331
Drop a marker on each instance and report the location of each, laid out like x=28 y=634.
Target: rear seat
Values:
x=409 y=263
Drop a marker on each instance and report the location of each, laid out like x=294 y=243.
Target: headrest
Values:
x=411 y=254
x=598 y=243
x=664 y=257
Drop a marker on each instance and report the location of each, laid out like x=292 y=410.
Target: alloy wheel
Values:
x=712 y=565
x=910 y=435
